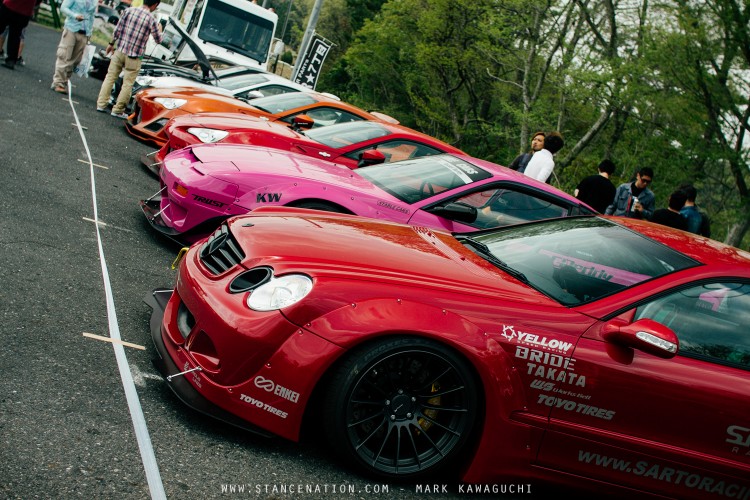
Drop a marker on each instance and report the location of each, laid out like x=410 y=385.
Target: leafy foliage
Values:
x=665 y=85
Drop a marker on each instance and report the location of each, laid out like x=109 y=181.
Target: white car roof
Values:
x=233 y=83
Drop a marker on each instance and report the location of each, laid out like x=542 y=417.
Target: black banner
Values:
x=312 y=61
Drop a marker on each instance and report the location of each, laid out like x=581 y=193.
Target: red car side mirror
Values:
x=370 y=157
x=645 y=335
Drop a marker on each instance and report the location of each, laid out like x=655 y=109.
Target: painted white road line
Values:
x=153 y=477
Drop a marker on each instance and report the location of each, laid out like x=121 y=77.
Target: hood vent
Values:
x=221 y=252
x=251 y=279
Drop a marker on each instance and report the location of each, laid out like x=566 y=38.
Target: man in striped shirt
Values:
x=130 y=37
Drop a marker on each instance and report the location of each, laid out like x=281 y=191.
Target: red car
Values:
x=343 y=143
x=592 y=351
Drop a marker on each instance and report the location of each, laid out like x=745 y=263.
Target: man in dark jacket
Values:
x=634 y=199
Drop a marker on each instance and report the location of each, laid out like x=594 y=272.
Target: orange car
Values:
x=155 y=107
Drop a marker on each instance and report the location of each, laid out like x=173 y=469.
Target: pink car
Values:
x=203 y=185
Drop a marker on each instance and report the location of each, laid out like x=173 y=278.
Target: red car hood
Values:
x=247 y=126
x=218 y=121
x=419 y=260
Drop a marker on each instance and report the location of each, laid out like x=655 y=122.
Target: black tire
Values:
x=320 y=205
x=402 y=408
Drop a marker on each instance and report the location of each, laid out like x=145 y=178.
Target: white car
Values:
x=240 y=82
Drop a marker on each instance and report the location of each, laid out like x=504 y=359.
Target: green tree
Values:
x=705 y=57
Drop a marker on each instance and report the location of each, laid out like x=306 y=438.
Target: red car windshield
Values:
x=577 y=260
x=346 y=134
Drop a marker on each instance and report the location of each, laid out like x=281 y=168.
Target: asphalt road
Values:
x=65 y=426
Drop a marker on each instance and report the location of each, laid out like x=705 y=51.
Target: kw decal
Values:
x=272 y=197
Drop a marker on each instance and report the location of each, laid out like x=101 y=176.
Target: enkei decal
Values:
x=584 y=409
x=391 y=206
x=208 y=201
x=554 y=367
x=263 y=406
x=510 y=333
x=272 y=197
x=269 y=386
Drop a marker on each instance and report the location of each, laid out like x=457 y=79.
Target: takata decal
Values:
x=269 y=386
x=208 y=201
x=548 y=367
x=567 y=405
x=391 y=206
x=272 y=197
x=533 y=340
x=739 y=436
x=263 y=406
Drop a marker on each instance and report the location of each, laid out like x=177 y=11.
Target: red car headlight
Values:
x=280 y=292
x=208 y=135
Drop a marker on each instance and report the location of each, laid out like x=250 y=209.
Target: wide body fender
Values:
x=508 y=445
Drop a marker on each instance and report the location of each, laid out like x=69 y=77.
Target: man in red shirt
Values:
x=15 y=14
x=130 y=37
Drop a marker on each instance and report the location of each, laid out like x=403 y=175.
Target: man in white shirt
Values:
x=542 y=163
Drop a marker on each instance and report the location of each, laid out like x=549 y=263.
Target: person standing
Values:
x=670 y=216
x=130 y=37
x=597 y=191
x=79 y=23
x=697 y=221
x=542 y=164
x=520 y=162
x=4 y=36
x=634 y=199
x=14 y=15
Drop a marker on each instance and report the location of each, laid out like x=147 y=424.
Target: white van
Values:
x=236 y=32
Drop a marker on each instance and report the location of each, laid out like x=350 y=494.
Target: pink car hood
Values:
x=255 y=162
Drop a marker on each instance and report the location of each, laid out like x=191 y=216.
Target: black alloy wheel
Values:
x=402 y=408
